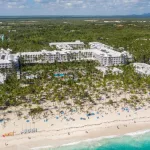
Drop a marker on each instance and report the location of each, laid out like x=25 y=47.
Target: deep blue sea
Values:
x=134 y=141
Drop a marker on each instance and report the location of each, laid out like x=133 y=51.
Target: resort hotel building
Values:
x=45 y=56
x=106 y=55
x=5 y=58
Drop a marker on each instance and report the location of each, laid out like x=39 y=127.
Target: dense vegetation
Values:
x=81 y=82
x=35 y=35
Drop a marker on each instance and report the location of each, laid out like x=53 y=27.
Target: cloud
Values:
x=89 y=3
x=14 y=3
x=98 y=7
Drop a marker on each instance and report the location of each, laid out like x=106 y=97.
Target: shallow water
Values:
x=135 y=141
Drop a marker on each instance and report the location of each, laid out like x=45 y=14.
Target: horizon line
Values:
x=74 y=15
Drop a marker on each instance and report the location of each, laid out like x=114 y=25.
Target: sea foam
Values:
x=95 y=139
x=137 y=133
x=73 y=143
x=42 y=147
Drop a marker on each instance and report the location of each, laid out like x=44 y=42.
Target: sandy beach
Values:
x=64 y=129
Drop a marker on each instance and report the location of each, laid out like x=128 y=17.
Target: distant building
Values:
x=107 y=70
x=142 y=68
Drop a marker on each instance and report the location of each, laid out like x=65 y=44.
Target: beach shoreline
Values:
x=54 y=128
x=77 y=135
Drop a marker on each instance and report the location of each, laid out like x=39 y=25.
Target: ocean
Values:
x=133 y=141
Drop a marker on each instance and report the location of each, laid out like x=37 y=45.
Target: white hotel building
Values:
x=98 y=51
x=5 y=58
x=53 y=56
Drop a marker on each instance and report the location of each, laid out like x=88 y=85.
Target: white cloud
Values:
x=13 y=3
x=99 y=7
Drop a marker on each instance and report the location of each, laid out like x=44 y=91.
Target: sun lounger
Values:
x=90 y=114
x=62 y=112
x=32 y=130
x=1 y=120
x=28 y=131
x=25 y=131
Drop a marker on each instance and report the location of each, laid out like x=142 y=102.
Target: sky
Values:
x=73 y=7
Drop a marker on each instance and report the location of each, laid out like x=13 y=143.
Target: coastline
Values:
x=55 y=130
x=77 y=135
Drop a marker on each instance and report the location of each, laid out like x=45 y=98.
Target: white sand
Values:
x=62 y=131
x=56 y=132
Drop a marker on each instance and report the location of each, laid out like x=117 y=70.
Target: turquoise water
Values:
x=127 y=142
x=59 y=75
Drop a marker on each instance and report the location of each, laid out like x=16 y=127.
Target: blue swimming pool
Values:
x=59 y=75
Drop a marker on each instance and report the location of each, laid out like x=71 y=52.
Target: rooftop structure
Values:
x=5 y=58
x=31 y=76
x=68 y=45
x=106 y=70
x=2 y=78
x=142 y=68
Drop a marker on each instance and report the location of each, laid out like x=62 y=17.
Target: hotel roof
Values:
x=4 y=61
x=142 y=68
x=103 y=52
x=66 y=43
